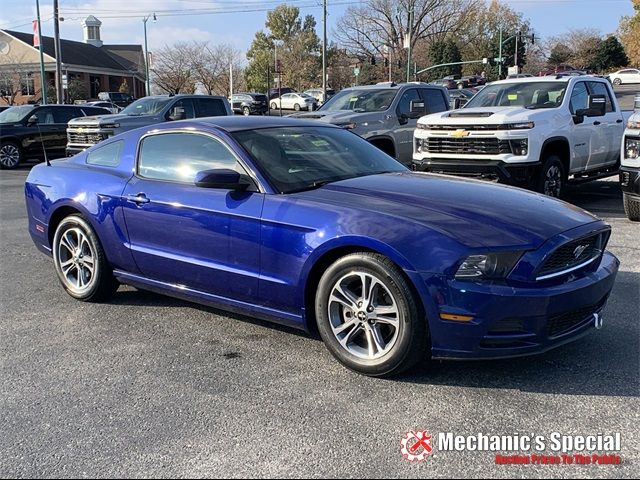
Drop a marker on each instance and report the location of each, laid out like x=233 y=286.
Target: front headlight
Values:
x=488 y=266
x=347 y=125
x=632 y=148
x=520 y=126
x=110 y=125
x=633 y=125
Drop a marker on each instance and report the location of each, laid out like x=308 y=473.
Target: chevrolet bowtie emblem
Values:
x=459 y=133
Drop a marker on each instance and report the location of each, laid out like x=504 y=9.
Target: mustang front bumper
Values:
x=515 y=321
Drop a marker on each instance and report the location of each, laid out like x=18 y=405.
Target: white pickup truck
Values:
x=630 y=168
x=537 y=133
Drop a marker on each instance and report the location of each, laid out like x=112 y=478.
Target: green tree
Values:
x=298 y=50
x=445 y=52
x=560 y=55
x=610 y=54
x=629 y=32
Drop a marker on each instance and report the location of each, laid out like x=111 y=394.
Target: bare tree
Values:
x=172 y=68
x=11 y=73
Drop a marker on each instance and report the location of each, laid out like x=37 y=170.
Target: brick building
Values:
x=90 y=66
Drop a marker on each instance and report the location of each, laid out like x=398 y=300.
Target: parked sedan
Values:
x=318 y=94
x=28 y=131
x=112 y=107
x=295 y=101
x=625 y=76
x=311 y=226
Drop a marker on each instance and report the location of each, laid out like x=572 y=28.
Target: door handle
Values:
x=596 y=122
x=139 y=198
x=619 y=120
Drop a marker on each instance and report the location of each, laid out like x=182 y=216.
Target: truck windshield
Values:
x=146 y=106
x=530 y=95
x=361 y=100
x=15 y=114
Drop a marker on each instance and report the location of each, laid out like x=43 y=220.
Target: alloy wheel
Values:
x=76 y=259
x=9 y=156
x=364 y=315
x=553 y=182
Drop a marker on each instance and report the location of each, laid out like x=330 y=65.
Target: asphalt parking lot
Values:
x=151 y=386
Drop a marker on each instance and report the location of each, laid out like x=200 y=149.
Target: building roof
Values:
x=114 y=57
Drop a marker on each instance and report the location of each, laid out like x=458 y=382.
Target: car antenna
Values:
x=44 y=150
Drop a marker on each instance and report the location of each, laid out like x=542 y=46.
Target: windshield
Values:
x=529 y=95
x=361 y=100
x=302 y=158
x=146 y=106
x=15 y=114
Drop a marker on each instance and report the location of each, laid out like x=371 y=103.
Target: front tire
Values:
x=632 y=208
x=617 y=82
x=10 y=155
x=296 y=107
x=552 y=177
x=368 y=316
x=80 y=261
x=246 y=111
x=274 y=106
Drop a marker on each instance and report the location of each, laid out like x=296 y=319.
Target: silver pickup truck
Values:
x=145 y=111
x=385 y=114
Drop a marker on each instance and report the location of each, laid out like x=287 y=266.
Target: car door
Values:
x=580 y=133
x=406 y=124
x=206 y=239
x=608 y=128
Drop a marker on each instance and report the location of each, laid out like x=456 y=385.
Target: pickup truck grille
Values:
x=570 y=256
x=85 y=138
x=467 y=145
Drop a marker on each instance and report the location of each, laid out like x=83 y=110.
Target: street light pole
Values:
x=58 y=53
x=43 y=78
x=409 y=43
x=324 y=51
x=146 y=52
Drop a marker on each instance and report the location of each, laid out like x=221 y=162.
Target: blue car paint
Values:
x=253 y=252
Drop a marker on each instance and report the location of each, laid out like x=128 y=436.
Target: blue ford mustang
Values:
x=311 y=226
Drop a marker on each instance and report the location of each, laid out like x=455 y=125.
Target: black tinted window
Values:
x=63 y=115
x=95 y=111
x=579 y=97
x=404 y=104
x=598 y=88
x=210 y=107
x=434 y=101
x=180 y=156
x=107 y=155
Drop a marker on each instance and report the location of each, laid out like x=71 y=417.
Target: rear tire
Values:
x=617 y=82
x=274 y=106
x=552 y=177
x=296 y=107
x=368 y=316
x=10 y=155
x=632 y=208
x=80 y=261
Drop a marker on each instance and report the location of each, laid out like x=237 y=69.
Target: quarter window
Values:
x=179 y=157
x=107 y=155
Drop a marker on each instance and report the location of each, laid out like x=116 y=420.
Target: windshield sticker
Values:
x=512 y=97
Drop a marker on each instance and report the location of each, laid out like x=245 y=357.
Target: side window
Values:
x=44 y=115
x=187 y=104
x=63 y=115
x=598 y=88
x=434 y=102
x=579 y=97
x=210 y=107
x=106 y=156
x=180 y=156
x=404 y=104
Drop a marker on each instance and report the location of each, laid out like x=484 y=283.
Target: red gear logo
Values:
x=416 y=446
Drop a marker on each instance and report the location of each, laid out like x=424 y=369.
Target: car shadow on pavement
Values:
x=604 y=363
x=602 y=197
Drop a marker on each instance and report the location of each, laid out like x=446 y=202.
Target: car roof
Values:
x=238 y=123
x=548 y=78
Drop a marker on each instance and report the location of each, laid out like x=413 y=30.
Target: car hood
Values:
x=106 y=119
x=338 y=117
x=474 y=213
x=484 y=115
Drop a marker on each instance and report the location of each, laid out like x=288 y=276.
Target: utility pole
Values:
x=43 y=78
x=146 y=51
x=515 y=58
x=500 y=57
x=324 y=51
x=409 y=43
x=230 y=80
x=56 y=42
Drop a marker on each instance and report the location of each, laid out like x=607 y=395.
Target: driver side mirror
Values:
x=459 y=103
x=223 y=178
x=177 y=113
x=33 y=119
x=416 y=109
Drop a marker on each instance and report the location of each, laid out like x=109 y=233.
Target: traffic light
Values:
x=533 y=38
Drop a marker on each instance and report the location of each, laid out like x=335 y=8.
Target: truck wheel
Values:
x=632 y=208
x=552 y=177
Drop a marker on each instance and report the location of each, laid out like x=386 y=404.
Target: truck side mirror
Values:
x=33 y=119
x=417 y=108
x=177 y=113
x=597 y=106
x=459 y=103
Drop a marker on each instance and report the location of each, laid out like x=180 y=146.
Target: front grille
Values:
x=565 y=322
x=84 y=138
x=478 y=126
x=468 y=145
x=572 y=254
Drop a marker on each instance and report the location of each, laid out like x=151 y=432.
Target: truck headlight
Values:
x=632 y=148
x=520 y=146
x=520 y=125
x=421 y=145
x=110 y=125
x=633 y=125
x=487 y=266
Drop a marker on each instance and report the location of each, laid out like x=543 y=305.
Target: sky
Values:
x=184 y=20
